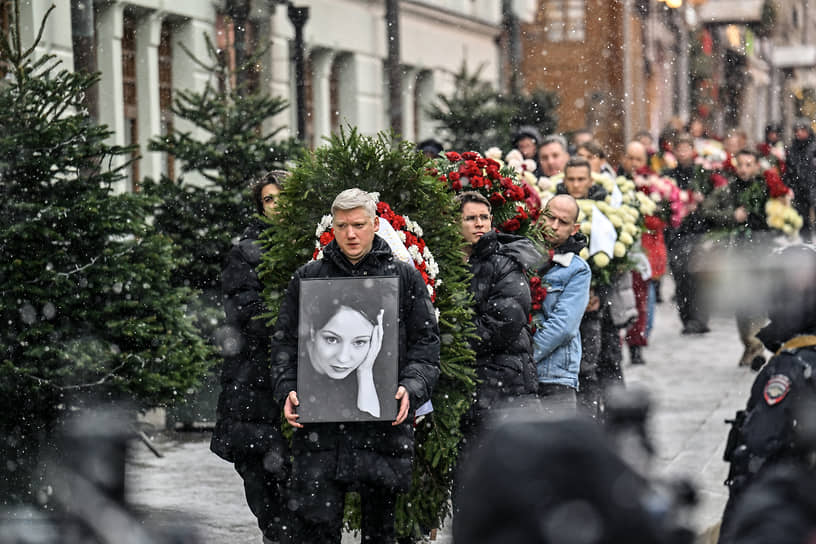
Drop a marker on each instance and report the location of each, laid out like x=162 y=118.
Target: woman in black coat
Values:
x=247 y=429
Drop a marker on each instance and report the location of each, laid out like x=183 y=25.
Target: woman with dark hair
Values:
x=342 y=337
x=247 y=427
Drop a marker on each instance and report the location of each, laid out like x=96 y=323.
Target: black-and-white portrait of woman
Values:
x=347 y=349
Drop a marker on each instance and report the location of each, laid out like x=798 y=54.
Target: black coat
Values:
x=370 y=452
x=799 y=164
x=501 y=294
x=248 y=418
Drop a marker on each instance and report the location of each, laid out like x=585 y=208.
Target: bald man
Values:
x=635 y=158
x=557 y=342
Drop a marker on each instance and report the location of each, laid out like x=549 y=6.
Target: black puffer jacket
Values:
x=248 y=418
x=501 y=294
x=370 y=452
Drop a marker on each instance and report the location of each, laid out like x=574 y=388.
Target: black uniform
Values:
x=247 y=429
x=374 y=458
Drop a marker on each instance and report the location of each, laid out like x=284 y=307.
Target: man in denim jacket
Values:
x=557 y=340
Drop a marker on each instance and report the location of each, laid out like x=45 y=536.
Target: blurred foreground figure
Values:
x=560 y=482
x=778 y=426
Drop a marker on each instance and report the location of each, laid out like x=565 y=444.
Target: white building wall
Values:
x=436 y=37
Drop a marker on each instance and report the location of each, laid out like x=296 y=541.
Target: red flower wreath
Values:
x=408 y=232
x=500 y=184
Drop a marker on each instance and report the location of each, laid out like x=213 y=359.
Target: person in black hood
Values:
x=559 y=482
x=799 y=172
x=247 y=427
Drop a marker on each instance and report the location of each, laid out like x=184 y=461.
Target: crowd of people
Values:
x=561 y=359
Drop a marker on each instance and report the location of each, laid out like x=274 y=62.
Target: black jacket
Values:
x=596 y=191
x=501 y=294
x=372 y=452
x=248 y=418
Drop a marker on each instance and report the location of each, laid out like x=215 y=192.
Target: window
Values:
x=564 y=20
x=166 y=90
x=129 y=95
x=225 y=44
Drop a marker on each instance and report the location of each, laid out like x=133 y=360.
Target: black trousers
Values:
x=264 y=495
x=316 y=505
x=690 y=303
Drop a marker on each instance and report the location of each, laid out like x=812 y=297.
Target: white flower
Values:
x=414 y=251
x=430 y=292
x=401 y=236
x=528 y=165
x=319 y=255
x=436 y=313
x=432 y=267
x=514 y=156
x=324 y=225
x=493 y=153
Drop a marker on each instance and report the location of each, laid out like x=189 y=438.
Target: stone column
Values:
x=148 y=36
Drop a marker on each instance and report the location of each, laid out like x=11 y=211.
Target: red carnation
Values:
x=470 y=155
x=492 y=172
x=776 y=187
x=511 y=225
x=481 y=162
x=325 y=238
x=456 y=185
x=454 y=176
x=718 y=180
x=535 y=281
x=492 y=163
x=497 y=199
x=442 y=178
x=398 y=222
x=477 y=182
x=314 y=254
x=433 y=171
x=453 y=156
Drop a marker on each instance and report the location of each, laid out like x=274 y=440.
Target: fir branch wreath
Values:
x=400 y=175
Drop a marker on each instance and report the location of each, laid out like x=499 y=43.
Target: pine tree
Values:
x=86 y=296
x=204 y=220
x=476 y=116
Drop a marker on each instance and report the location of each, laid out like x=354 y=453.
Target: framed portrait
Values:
x=348 y=349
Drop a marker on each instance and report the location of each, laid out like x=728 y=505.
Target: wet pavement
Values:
x=694 y=383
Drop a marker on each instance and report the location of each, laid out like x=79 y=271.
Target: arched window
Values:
x=563 y=20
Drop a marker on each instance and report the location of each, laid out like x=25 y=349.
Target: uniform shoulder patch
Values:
x=776 y=389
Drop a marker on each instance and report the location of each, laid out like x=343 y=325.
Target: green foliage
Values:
x=476 y=116
x=399 y=174
x=238 y=148
x=88 y=309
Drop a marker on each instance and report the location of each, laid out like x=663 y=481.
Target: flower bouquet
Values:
x=499 y=183
x=615 y=230
x=673 y=204
x=781 y=216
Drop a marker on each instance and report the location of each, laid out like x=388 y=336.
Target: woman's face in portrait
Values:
x=341 y=345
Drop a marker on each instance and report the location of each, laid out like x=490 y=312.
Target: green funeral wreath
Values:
x=402 y=177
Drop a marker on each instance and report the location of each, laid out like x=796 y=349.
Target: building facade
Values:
x=143 y=50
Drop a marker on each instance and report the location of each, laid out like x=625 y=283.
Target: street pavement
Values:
x=693 y=381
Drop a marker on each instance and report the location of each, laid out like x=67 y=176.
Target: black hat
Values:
x=430 y=147
x=527 y=131
x=543 y=482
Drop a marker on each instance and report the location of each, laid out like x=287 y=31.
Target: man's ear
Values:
x=376 y=223
x=575 y=228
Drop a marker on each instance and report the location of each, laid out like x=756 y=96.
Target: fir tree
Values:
x=86 y=296
x=203 y=220
x=400 y=175
x=476 y=116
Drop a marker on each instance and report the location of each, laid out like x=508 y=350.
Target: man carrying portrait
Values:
x=373 y=458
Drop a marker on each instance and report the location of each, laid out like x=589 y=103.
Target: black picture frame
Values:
x=337 y=328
